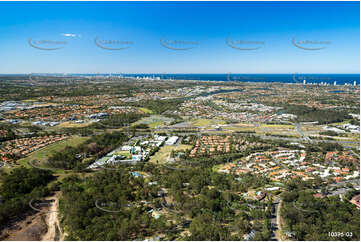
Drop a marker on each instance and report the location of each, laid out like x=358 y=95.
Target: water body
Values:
x=337 y=91
x=340 y=79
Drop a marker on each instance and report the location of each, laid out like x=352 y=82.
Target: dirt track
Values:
x=52 y=221
x=279 y=224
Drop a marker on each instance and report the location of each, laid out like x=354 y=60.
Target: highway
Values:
x=343 y=143
x=353 y=152
x=299 y=130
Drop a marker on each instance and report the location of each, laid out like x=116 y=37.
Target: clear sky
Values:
x=260 y=32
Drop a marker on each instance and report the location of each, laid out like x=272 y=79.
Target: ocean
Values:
x=340 y=79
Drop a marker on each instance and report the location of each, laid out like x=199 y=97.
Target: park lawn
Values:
x=41 y=155
x=146 y=110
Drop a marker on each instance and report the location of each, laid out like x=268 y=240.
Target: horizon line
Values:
x=176 y=73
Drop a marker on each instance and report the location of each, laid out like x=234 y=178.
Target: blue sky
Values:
x=263 y=30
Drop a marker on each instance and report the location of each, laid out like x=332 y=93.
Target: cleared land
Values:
x=73 y=125
x=206 y=122
x=162 y=155
x=278 y=129
x=154 y=121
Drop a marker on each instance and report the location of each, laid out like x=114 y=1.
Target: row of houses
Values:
x=211 y=144
x=24 y=146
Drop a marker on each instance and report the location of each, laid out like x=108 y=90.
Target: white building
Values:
x=172 y=140
x=272 y=188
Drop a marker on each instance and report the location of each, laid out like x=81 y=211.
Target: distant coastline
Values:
x=331 y=79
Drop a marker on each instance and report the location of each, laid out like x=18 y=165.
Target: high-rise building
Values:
x=304 y=82
x=334 y=83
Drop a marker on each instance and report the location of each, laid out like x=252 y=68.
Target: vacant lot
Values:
x=162 y=155
x=206 y=122
x=73 y=125
x=278 y=129
x=154 y=121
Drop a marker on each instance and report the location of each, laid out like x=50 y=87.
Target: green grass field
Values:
x=41 y=155
x=206 y=122
x=125 y=153
x=146 y=110
x=202 y=122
